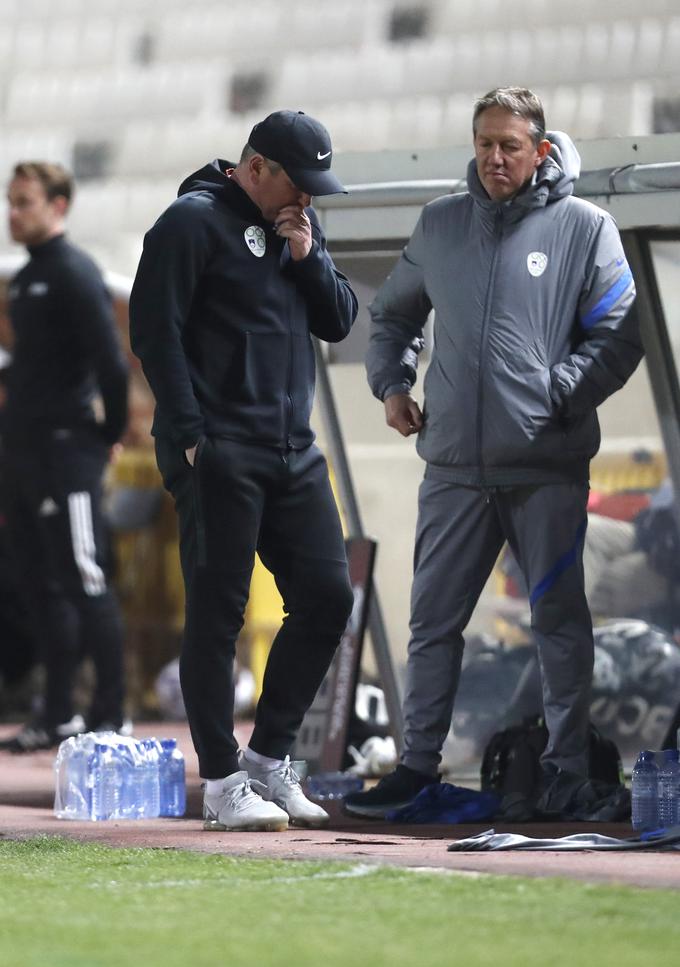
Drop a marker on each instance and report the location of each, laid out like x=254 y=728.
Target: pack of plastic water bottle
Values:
x=104 y=775
x=655 y=792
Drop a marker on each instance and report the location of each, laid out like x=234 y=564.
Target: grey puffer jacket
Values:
x=532 y=329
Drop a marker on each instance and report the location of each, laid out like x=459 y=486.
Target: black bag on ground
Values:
x=511 y=768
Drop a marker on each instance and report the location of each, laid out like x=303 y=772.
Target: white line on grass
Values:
x=360 y=869
x=443 y=871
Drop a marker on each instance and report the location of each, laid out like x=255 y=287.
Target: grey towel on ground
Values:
x=491 y=840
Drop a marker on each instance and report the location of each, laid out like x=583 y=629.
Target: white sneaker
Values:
x=240 y=807
x=67 y=729
x=282 y=786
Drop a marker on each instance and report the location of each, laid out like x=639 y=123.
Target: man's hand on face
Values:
x=292 y=223
x=402 y=413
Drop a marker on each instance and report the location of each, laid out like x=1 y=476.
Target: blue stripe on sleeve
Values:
x=600 y=310
x=560 y=567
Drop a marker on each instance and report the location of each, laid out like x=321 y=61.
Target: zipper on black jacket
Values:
x=498 y=235
x=289 y=377
x=289 y=399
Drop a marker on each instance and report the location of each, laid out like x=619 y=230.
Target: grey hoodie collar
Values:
x=554 y=179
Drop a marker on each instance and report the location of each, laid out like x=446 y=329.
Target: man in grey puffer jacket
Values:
x=531 y=294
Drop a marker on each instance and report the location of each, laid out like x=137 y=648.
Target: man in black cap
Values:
x=233 y=281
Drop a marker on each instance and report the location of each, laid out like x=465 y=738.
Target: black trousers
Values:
x=236 y=500
x=57 y=533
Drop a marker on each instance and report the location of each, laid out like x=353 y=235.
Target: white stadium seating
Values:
x=161 y=86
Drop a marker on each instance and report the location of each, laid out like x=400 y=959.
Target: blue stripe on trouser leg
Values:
x=563 y=563
x=547 y=525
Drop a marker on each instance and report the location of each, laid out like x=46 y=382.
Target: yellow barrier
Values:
x=262 y=620
x=148 y=581
x=616 y=472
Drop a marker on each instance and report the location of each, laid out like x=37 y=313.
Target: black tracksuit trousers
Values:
x=52 y=494
x=237 y=499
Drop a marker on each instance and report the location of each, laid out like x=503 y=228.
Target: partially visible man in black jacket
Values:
x=233 y=282
x=66 y=350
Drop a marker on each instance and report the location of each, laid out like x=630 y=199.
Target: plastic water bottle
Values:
x=669 y=789
x=61 y=778
x=131 y=776
x=105 y=781
x=72 y=792
x=645 y=793
x=150 y=784
x=101 y=776
x=333 y=785
x=79 y=801
x=137 y=778
x=172 y=779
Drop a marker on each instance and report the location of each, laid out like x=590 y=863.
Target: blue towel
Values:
x=445 y=803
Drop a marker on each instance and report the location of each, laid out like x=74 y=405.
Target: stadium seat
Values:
x=670 y=57
x=649 y=44
x=562 y=109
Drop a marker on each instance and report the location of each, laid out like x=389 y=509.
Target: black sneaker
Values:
x=36 y=736
x=394 y=790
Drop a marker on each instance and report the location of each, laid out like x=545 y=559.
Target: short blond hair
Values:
x=516 y=100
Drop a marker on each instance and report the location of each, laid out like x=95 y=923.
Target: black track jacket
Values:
x=221 y=317
x=66 y=347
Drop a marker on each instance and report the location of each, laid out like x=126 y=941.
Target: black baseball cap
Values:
x=302 y=146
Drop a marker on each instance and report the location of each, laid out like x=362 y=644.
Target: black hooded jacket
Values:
x=221 y=318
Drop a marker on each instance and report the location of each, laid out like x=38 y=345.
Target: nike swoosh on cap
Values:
x=320 y=156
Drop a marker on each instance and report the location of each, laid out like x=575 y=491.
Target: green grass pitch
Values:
x=65 y=904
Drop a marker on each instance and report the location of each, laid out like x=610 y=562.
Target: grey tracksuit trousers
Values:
x=459 y=535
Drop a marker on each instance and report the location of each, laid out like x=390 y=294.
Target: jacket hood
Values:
x=562 y=166
x=210 y=177
x=554 y=179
